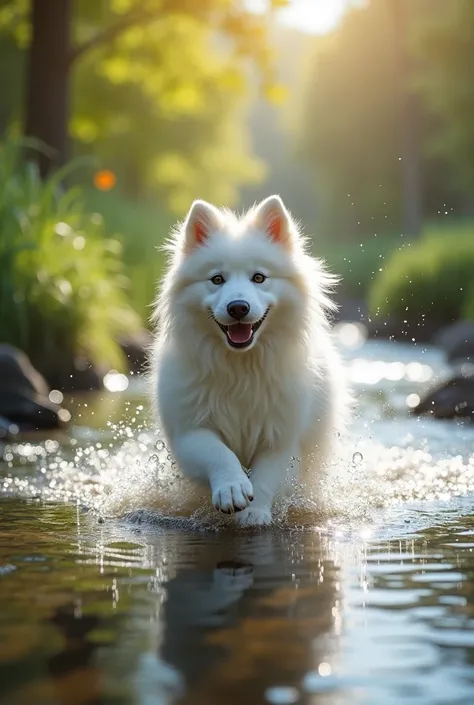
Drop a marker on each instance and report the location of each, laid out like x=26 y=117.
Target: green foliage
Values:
x=62 y=290
x=430 y=279
x=444 y=47
x=358 y=264
x=350 y=133
x=160 y=101
x=468 y=307
x=357 y=119
x=142 y=229
x=168 y=126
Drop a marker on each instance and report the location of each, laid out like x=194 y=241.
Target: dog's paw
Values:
x=255 y=516
x=233 y=496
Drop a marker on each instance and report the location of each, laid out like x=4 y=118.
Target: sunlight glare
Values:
x=313 y=16
x=310 y=16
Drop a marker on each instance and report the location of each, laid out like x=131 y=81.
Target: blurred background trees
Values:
x=359 y=113
x=154 y=87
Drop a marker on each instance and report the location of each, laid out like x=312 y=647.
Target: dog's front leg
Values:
x=268 y=474
x=203 y=456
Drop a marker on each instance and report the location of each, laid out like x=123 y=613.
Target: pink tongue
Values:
x=240 y=332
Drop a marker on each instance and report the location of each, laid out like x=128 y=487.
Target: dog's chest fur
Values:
x=249 y=409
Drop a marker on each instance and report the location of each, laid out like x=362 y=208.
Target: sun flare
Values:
x=313 y=16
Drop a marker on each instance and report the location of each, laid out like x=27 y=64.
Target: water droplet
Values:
x=337 y=434
x=164 y=560
x=153 y=458
x=159 y=445
x=357 y=458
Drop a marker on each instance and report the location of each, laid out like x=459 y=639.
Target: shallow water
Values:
x=115 y=589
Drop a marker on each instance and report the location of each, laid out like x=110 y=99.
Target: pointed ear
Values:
x=272 y=217
x=202 y=220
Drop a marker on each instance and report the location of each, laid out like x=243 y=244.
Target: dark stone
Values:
x=457 y=341
x=135 y=348
x=452 y=399
x=75 y=375
x=352 y=310
x=84 y=377
x=24 y=400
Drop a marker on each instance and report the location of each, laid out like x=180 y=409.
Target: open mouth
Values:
x=240 y=334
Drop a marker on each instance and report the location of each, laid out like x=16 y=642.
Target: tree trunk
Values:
x=47 y=98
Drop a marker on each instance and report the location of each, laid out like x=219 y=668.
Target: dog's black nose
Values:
x=238 y=309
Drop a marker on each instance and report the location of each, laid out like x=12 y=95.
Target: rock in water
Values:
x=453 y=399
x=135 y=348
x=24 y=400
x=457 y=341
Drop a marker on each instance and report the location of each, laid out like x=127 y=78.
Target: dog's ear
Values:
x=201 y=221
x=272 y=217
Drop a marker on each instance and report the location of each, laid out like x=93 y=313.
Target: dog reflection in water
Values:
x=262 y=614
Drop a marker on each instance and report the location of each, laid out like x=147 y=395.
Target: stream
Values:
x=120 y=584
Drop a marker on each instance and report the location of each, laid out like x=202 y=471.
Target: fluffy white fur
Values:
x=281 y=397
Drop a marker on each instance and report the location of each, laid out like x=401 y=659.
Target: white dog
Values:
x=245 y=372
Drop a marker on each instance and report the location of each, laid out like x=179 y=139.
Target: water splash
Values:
x=126 y=470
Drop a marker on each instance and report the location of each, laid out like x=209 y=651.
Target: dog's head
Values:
x=240 y=279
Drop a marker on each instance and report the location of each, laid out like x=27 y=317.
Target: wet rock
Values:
x=352 y=310
x=452 y=399
x=84 y=377
x=457 y=341
x=24 y=396
x=135 y=348
x=72 y=373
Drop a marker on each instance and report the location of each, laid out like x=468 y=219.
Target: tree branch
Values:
x=139 y=15
x=134 y=17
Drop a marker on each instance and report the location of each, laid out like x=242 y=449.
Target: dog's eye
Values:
x=217 y=279
x=258 y=278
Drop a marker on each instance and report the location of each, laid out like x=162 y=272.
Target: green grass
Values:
x=432 y=279
x=63 y=291
x=141 y=228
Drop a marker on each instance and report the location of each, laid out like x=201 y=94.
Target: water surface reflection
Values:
x=122 y=614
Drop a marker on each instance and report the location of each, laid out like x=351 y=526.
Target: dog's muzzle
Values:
x=240 y=334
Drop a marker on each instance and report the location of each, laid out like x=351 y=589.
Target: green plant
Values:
x=430 y=278
x=357 y=264
x=467 y=311
x=142 y=228
x=62 y=288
